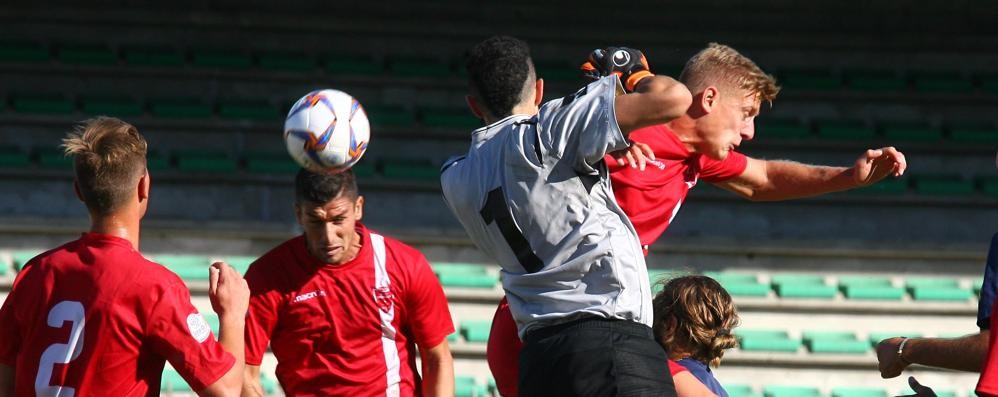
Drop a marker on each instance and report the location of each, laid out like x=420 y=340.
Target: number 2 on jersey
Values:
x=497 y=210
x=60 y=353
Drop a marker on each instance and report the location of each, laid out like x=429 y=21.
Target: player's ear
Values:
x=476 y=108
x=143 y=187
x=709 y=99
x=358 y=207
x=538 y=92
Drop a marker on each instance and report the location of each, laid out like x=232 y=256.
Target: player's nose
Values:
x=748 y=131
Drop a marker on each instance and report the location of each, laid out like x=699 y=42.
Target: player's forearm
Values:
x=439 y=376
x=786 y=180
x=656 y=100
x=966 y=353
x=252 y=388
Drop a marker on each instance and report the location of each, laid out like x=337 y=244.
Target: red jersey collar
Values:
x=92 y=238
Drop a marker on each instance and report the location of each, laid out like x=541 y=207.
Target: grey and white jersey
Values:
x=535 y=194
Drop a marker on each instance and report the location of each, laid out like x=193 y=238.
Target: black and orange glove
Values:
x=628 y=64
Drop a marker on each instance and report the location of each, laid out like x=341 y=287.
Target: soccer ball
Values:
x=327 y=131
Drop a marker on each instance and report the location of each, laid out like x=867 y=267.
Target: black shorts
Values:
x=594 y=357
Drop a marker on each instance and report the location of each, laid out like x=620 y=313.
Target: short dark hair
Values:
x=315 y=188
x=109 y=158
x=498 y=69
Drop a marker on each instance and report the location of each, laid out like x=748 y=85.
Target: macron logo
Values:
x=658 y=164
x=309 y=295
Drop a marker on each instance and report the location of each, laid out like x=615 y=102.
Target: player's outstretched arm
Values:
x=229 y=296
x=6 y=381
x=966 y=353
x=251 y=382
x=774 y=180
x=438 y=370
x=655 y=100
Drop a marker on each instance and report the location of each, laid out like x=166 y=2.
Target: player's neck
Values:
x=526 y=108
x=685 y=130
x=118 y=225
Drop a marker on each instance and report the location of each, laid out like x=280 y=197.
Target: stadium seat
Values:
x=53 y=158
x=810 y=80
x=43 y=104
x=13 y=157
x=458 y=119
x=156 y=161
x=21 y=257
x=939 y=392
x=419 y=67
x=454 y=337
x=390 y=116
x=740 y=284
x=188 y=267
x=790 y=391
x=888 y=186
x=172 y=382
x=180 y=108
x=221 y=59
x=858 y=392
x=205 y=161
x=238 y=262
x=943 y=185
x=802 y=286
x=364 y=169
x=911 y=132
x=766 y=341
x=989 y=186
x=24 y=51
x=269 y=385
x=873 y=80
x=476 y=331
x=875 y=337
x=942 y=82
x=339 y=64
x=270 y=163
x=837 y=342
x=936 y=289
x=739 y=390
x=287 y=62
x=212 y=320
x=556 y=71
x=845 y=130
x=989 y=83
x=974 y=133
x=464 y=275
x=410 y=169
x=868 y=287
x=112 y=106
x=88 y=54
x=464 y=386
x=153 y=56
x=245 y=110
x=783 y=129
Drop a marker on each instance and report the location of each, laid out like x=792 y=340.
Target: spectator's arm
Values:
x=966 y=353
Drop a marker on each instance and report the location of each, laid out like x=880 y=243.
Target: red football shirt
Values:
x=988 y=383
x=651 y=198
x=347 y=329
x=95 y=316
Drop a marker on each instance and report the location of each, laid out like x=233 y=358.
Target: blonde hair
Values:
x=721 y=65
x=704 y=318
x=109 y=157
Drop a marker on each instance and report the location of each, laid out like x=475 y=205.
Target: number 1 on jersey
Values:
x=497 y=210
x=60 y=353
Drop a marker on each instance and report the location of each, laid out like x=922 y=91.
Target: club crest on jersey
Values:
x=383 y=298
x=198 y=327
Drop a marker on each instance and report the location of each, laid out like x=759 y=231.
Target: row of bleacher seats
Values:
x=744 y=390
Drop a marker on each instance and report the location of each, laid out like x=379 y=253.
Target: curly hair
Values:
x=499 y=70
x=719 y=64
x=109 y=158
x=704 y=318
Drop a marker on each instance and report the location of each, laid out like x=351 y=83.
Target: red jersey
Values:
x=988 y=383
x=346 y=329
x=95 y=317
x=651 y=198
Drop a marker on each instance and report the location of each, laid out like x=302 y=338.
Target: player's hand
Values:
x=920 y=391
x=628 y=64
x=227 y=290
x=887 y=355
x=636 y=156
x=876 y=164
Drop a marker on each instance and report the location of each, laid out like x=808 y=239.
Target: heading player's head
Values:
x=501 y=79
x=328 y=207
x=728 y=89
x=109 y=159
x=694 y=317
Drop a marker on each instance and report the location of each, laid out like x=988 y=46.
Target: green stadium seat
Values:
x=454 y=337
x=888 y=186
x=802 y=286
x=390 y=116
x=732 y=277
x=450 y=118
x=212 y=320
x=875 y=337
x=874 y=80
x=858 y=392
x=249 y=111
x=868 y=287
x=952 y=185
x=464 y=386
x=112 y=106
x=940 y=294
x=52 y=158
x=555 y=71
x=23 y=52
x=172 y=382
x=943 y=82
x=205 y=161
x=410 y=169
x=974 y=134
x=739 y=390
x=939 y=282
x=238 y=262
x=364 y=169
x=180 y=108
x=790 y=391
x=740 y=284
x=287 y=62
x=834 y=342
x=21 y=258
x=188 y=267
x=43 y=104
x=345 y=65
x=845 y=130
x=153 y=56
x=939 y=393
x=270 y=163
x=989 y=83
x=13 y=157
x=810 y=80
x=911 y=132
x=86 y=54
x=269 y=385
x=766 y=341
x=783 y=129
x=156 y=161
x=476 y=331
x=221 y=59
x=989 y=185
x=464 y=275
x=976 y=285
x=458 y=268
x=419 y=67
